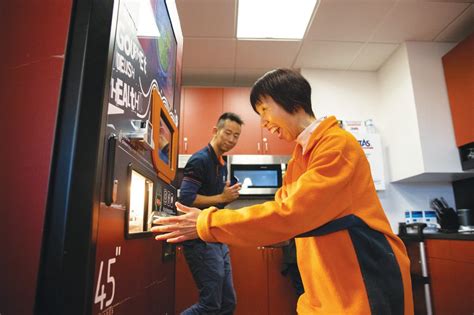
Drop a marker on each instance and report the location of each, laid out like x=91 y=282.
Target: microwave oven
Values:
x=258 y=174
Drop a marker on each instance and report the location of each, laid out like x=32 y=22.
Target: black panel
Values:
x=464 y=193
x=466 y=153
x=65 y=278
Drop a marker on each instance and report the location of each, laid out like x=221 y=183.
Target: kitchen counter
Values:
x=467 y=236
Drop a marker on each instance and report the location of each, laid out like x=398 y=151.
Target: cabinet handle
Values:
x=258 y=147
x=185 y=145
x=265 y=141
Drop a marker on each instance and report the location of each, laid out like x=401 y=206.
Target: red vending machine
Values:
x=99 y=254
x=134 y=274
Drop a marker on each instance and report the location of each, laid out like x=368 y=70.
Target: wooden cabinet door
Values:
x=186 y=293
x=201 y=109
x=271 y=144
x=237 y=100
x=452 y=285
x=458 y=71
x=451 y=270
x=281 y=294
x=249 y=269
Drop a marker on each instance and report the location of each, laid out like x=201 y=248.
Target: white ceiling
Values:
x=343 y=35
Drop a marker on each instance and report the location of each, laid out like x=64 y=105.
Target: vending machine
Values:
x=113 y=162
x=134 y=273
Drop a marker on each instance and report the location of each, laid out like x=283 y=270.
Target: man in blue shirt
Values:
x=204 y=185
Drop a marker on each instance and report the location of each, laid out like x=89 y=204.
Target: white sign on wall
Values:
x=372 y=146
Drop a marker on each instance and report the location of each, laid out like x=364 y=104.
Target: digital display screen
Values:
x=165 y=142
x=156 y=36
x=257 y=178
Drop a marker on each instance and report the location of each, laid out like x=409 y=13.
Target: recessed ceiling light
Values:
x=283 y=19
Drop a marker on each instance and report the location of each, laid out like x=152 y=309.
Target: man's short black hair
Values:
x=228 y=116
x=286 y=87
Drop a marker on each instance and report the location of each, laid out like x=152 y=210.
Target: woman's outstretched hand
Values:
x=179 y=228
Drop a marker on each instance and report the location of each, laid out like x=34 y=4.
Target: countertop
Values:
x=467 y=236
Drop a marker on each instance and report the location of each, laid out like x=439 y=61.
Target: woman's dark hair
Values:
x=286 y=87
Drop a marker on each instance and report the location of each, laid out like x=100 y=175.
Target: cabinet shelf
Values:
x=435 y=177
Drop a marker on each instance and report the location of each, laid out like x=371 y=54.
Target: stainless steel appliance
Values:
x=258 y=174
x=466 y=220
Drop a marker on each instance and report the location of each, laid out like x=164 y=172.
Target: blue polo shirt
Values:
x=204 y=174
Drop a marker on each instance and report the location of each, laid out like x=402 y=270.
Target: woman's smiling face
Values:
x=276 y=120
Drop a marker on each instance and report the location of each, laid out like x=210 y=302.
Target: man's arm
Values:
x=229 y=194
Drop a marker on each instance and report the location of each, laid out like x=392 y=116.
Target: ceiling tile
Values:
x=460 y=28
x=327 y=55
x=353 y=20
x=417 y=21
x=208 y=77
x=205 y=52
x=372 y=56
x=207 y=18
x=464 y=1
x=247 y=77
x=266 y=53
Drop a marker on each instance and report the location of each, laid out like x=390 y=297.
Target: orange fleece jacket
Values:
x=331 y=180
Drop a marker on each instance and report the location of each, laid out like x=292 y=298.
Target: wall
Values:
x=349 y=95
x=397 y=117
x=386 y=96
x=34 y=44
x=440 y=153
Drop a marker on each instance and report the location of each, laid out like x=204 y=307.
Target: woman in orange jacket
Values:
x=349 y=259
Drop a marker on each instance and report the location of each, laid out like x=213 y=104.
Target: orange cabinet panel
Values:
x=254 y=139
x=275 y=146
x=438 y=248
x=281 y=294
x=200 y=111
x=261 y=288
x=186 y=293
x=458 y=66
x=451 y=270
x=452 y=285
x=249 y=270
x=237 y=100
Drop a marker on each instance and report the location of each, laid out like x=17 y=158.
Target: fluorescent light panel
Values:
x=143 y=16
x=284 y=19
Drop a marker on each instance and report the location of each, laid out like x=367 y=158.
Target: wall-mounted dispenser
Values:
x=141 y=136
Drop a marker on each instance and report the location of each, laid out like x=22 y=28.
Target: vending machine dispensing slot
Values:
x=141 y=136
x=140 y=203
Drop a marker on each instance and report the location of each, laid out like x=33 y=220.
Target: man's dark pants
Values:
x=211 y=269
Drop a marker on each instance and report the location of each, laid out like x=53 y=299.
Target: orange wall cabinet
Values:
x=237 y=100
x=271 y=144
x=254 y=139
x=201 y=107
x=259 y=285
x=451 y=269
x=458 y=66
x=261 y=288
